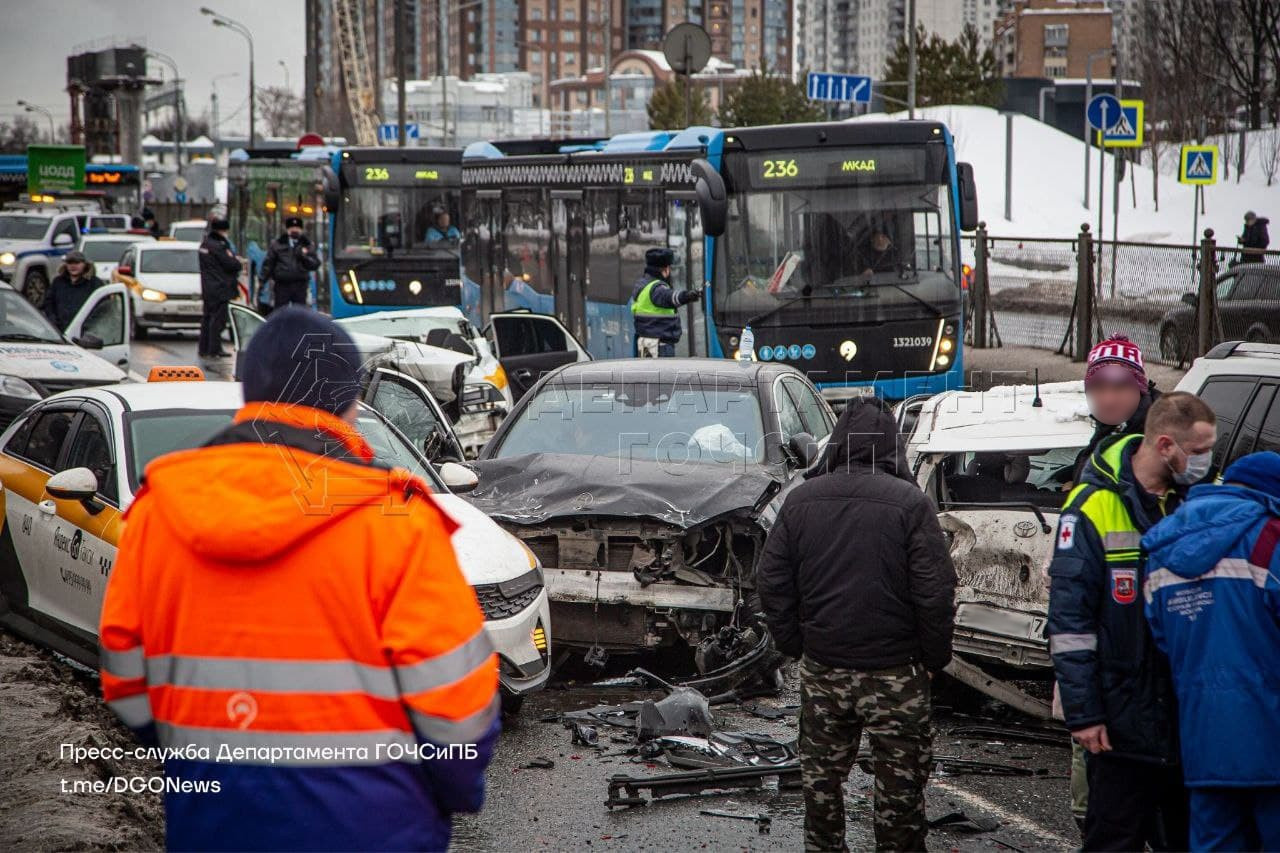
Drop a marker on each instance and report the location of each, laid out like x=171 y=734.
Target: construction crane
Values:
x=358 y=79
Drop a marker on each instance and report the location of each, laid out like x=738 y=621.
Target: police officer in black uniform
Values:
x=654 y=304
x=219 y=284
x=289 y=264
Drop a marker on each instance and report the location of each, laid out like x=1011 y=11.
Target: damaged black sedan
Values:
x=646 y=489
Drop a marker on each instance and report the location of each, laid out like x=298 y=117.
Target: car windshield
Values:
x=19 y=321
x=674 y=423
x=170 y=260
x=155 y=433
x=16 y=227
x=995 y=477
x=192 y=233
x=391 y=220
x=105 y=251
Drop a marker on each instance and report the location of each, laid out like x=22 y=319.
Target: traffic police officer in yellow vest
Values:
x=654 y=304
x=1117 y=695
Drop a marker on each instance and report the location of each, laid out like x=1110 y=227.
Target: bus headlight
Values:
x=150 y=295
x=946 y=345
x=942 y=361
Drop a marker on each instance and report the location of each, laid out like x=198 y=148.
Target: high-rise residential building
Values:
x=746 y=33
x=1055 y=38
x=881 y=24
x=944 y=17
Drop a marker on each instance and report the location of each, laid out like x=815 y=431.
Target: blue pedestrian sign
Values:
x=852 y=88
x=1103 y=112
x=391 y=132
x=1198 y=164
x=1126 y=130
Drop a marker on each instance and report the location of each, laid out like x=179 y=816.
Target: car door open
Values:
x=244 y=323
x=409 y=406
x=102 y=324
x=529 y=345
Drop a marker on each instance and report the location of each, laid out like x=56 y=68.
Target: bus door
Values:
x=482 y=254
x=569 y=239
x=684 y=238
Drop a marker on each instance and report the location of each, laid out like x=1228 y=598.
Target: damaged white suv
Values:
x=997 y=464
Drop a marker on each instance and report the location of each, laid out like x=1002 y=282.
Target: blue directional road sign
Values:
x=391 y=132
x=839 y=87
x=1103 y=112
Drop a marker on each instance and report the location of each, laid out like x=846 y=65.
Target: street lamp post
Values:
x=213 y=96
x=180 y=126
x=36 y=108
x=237 y=27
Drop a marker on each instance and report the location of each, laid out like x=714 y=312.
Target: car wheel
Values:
x=1171 y=344
x=36 y=287
x=511 y=702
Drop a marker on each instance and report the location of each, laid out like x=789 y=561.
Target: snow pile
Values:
x=1048 y=180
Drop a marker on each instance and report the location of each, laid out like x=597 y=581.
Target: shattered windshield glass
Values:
x=641 y=422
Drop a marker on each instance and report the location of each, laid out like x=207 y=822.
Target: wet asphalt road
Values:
x=563 y=807
x=176 y=348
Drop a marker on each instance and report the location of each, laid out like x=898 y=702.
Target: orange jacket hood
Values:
x=251 y=500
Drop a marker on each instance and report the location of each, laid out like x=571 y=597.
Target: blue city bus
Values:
x=116 y=186
x=390 y=246
x=836 y=243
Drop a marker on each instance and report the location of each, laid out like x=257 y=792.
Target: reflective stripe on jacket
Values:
x=653 y=308
x=1107 y=666
x=299 y=618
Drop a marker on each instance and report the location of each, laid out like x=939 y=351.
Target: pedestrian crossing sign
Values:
x=1199 y=164
x=1127 y=130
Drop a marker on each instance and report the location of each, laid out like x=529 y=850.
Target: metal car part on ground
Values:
x=997 y=464
x=647 y=488
x=72 y=464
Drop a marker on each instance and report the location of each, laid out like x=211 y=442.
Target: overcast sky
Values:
x=37 y=36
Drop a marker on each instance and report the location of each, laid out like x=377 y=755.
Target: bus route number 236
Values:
x=780 y=169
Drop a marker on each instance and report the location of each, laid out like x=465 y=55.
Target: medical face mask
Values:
x=1198 y=465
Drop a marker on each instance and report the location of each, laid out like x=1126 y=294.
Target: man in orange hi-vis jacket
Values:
x=290 y=623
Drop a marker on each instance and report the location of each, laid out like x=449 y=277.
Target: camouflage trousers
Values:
x=893 y=707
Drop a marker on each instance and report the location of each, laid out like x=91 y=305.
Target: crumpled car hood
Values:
x=534 y=488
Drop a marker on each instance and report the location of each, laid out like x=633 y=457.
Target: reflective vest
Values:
x=642 y=305
x=1106 y=510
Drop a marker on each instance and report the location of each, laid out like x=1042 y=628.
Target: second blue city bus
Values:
x=836 y=243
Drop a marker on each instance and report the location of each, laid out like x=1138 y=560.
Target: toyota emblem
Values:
x=1024 y=529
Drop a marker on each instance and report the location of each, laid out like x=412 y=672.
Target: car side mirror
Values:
x=73 y=484
x=458 y=478
x=124 y=270
x=63 y=240
x=713 y=198
x=89 y=341
x=1190 y=299
x=802 y=448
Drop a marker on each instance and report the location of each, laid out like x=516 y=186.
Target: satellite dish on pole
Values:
x=687 y=48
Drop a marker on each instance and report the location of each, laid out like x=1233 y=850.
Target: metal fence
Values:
x=1067 y=294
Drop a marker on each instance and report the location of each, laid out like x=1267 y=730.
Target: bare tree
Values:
x=1269 y=152
x=1171 y=66
x=281 y=109
x=15 y=137
x=1242 y=37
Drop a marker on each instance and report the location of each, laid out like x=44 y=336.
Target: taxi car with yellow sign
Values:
x=72 y=464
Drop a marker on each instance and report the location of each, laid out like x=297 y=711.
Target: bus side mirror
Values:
x=332 y=189
x=713 y=199
x=968 y=197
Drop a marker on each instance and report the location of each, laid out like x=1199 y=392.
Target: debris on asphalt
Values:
x=540 y=764
x=762 y=821
x=1021 y=734
x=964 y=821
x=683 y=711
x=625 y=790
x=585 y=735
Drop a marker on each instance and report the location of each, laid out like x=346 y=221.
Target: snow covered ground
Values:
x=1048 y=178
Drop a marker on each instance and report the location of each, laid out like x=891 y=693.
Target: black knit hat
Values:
x=302 y=358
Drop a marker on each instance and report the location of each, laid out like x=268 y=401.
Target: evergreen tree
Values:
x=764 y=98
x=959 y=72
x=667 y=110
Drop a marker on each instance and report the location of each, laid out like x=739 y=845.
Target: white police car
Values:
x=37 y=360
x=72 y=464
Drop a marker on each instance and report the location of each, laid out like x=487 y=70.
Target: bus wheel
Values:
x=36 y=287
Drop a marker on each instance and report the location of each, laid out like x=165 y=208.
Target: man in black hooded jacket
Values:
x=856 y=581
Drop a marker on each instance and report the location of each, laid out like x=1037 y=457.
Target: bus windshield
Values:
x=389 y=220
x=819 y=240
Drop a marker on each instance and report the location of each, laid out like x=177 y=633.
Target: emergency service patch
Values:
x=1066 y=532
x=1124 y=585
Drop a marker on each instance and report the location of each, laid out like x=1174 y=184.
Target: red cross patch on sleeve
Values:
x=1066 y=532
